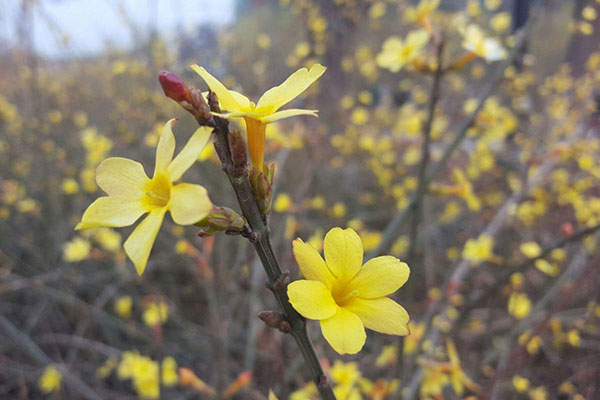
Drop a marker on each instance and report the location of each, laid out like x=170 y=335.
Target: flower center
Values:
x=343 y=294
x=157 y=192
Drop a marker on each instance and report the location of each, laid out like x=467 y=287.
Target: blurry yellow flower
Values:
x=156 y=313
x=123 y=306
x=479 y=250
x=589 y=13
x=396 y=53
x=422 y=11
x=501 y=22
x=573 y=337
x=534 y=345
x=417 y=330
x=144 y=373
x=109 y=239
x=76 y=250
x=388 y=355
x=263 y=41
x=169 y=372
x=106 y=368
x=377 y=10
x=131 y=193
x=346 y=297
x=475 y=41
x=521 y=384
x=547 y=268
x=538 y=393
x=519 y=305
x=309 y=391
x=531 y=249
x=316 y=240
x=282 y=203
x=257 y=116
x=359 y=116
x=50 y=380
x=493 y=5
x=70 y=186
x=458 y=378
x=338 y=210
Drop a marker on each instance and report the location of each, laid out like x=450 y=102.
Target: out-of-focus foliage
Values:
x=504 y=296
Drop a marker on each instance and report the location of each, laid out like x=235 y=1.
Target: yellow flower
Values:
x=396 y=53
x=50 y=380
x=76 y=250
x=479 y=250
x=257 y=116
x=422 y=11
x=346 y=297
x=531 y=249
x=131 y=193
x=156 y=313
x=458 y=378
x=519 y=305
x=123 y=306
x=521 y=384
x=475 y=41
x=169 y=371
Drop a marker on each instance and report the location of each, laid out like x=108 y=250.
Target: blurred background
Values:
x=501 y=236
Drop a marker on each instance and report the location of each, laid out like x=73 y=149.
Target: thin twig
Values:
x=407 y=293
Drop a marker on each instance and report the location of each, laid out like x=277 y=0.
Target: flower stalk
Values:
x=239 y=180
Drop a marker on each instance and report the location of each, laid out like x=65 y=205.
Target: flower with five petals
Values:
x=257 y=116
x=131 y=194
x=346 y=296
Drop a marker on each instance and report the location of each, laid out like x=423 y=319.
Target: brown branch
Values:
x=233 y=162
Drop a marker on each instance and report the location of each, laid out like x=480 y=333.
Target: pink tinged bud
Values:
x=173 y=86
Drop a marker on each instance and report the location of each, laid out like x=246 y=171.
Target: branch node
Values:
x=282 y=282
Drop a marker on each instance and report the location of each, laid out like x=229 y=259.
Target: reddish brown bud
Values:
x=237 y=147
x=275 y=320
x=567 y=229
x=174 y=87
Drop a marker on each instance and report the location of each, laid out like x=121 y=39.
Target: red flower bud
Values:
x=567 y=229
x=174 y=87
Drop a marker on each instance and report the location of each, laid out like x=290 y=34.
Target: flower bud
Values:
x=174 y=87
x=237 y=147
x=221 y=219
x=262 y=188
x=275 y=320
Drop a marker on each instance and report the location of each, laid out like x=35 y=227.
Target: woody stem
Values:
x=262 y=246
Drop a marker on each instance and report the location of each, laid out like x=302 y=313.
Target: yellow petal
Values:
x=139 y=244
x=292 y=87
x=381 y=315
x=189 y=203
x=311 y=299
x=379 y=277
x=165 y=147
x=111 y=212
x=190 y=153
x=344 y=331
x=343 y=252
x=227 y=100
x=287 y=114
x=311 y=263
x=122 y=178
x=242 y=100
